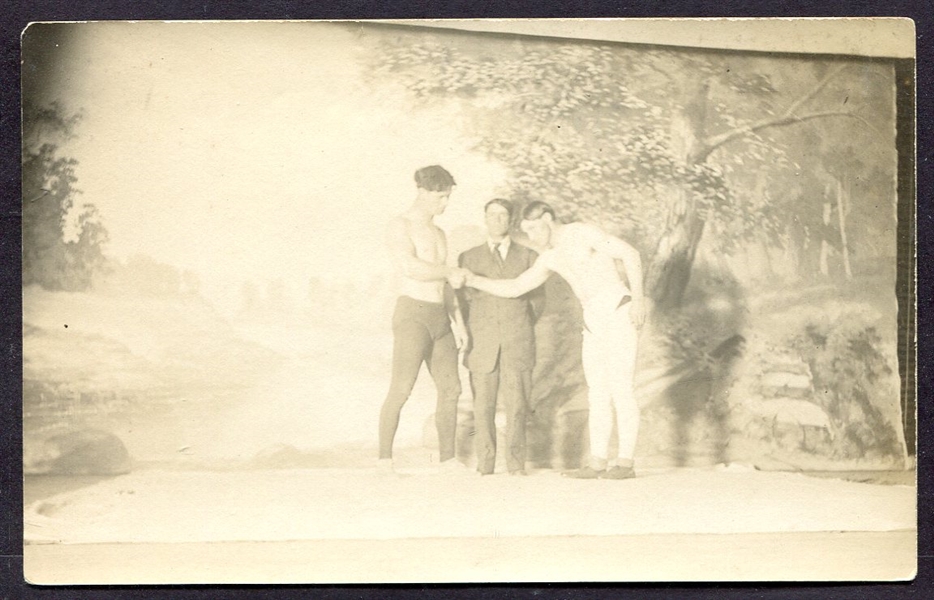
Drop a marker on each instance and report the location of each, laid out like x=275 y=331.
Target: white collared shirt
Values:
x=503 y=246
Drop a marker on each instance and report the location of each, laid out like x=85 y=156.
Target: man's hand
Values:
x=457 y=276
x=637 y=312
x=460 y=335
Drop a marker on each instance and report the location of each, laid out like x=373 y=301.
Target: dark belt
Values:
x=623 y=302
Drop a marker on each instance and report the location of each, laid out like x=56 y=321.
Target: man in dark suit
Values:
x=501 y=353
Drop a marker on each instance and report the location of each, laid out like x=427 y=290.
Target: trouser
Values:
x=609 y=360
x=421 y=333
x=513 y=385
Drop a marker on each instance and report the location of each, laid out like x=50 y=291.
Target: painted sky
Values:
x=251 y=150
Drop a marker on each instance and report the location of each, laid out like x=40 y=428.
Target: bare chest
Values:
x=428 y=242
x=587 y=270
x=573 y=256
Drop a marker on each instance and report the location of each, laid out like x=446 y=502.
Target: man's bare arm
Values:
x=402 y=254
x=535 y=276
x=622 y=251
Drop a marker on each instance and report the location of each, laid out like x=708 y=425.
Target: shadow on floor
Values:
x=40 y=487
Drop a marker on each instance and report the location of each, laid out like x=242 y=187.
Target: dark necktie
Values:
x=498 y=257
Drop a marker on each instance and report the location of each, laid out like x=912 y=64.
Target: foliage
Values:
x=670 y=147
x=552 y=116
x=49 y=192
x=854 y=382
x=47 y=197
x=714 y=309
x=636 y=138
x=86 y=255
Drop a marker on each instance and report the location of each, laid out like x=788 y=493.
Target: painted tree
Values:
x=658 y=144
x=679 y=151
x=49 y=193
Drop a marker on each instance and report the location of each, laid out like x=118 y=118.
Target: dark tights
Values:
x=421 y=333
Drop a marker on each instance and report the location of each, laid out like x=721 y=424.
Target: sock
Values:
x=597 y=463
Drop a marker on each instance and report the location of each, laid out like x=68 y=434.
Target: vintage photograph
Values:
x=468 y=301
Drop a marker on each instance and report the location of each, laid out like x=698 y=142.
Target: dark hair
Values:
x=509 y=206
x=535 y=209
x=434 y=179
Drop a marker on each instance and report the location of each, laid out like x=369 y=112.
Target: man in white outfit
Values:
x=586 y=257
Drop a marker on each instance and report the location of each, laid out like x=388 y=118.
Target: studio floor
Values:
x=358 y=525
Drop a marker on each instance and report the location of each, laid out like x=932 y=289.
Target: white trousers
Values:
x=609 y=360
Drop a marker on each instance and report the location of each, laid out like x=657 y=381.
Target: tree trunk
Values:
x=845 y=250
x=793 y=249
x=670 y=270
x=824 y=244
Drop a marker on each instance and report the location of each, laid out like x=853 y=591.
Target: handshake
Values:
x=459 y=277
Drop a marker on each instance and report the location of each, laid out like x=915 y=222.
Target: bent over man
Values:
x=585 y=256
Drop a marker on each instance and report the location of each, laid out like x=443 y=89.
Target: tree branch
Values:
x=716 y=141
x=816 y=90
x=786 y=118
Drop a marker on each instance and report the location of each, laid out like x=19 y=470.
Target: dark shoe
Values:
x=584 y=473
x=485 y=473
x=618 y=473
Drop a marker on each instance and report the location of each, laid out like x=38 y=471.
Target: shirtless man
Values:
x=585 y=256
x=426 y=327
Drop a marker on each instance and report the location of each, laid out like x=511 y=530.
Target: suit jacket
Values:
x=500 y=325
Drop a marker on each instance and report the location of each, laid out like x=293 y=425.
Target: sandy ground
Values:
x=386 y=523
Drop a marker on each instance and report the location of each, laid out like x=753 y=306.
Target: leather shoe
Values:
x=584 y=473
x=618 y=473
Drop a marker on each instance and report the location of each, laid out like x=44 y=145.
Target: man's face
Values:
x=497 y=220
x=438 y=201
x=538 y=230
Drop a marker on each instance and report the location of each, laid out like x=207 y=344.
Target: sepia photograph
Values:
x=471 y=301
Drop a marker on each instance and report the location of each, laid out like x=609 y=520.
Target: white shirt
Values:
x=503 y=246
